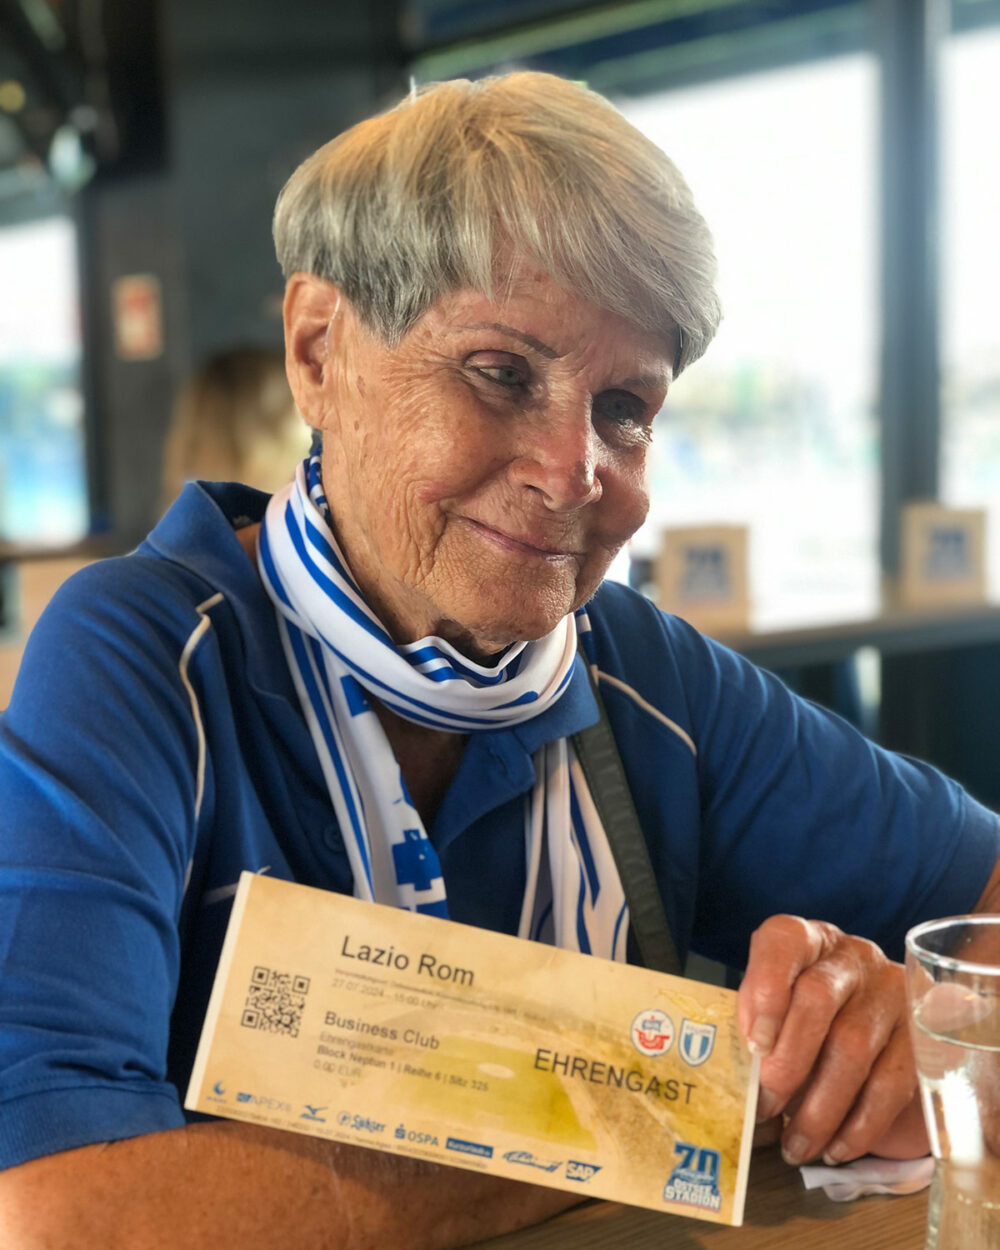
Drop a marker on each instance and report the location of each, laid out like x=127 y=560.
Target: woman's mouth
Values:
x=525 y=544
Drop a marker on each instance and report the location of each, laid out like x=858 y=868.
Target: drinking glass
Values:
x=953 y=988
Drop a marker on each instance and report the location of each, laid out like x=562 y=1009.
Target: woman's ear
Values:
x=313 y=313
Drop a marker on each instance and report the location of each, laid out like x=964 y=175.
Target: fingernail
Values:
x=835 y=1153
x=767 y=1105
x=795 y=1150
x=761 y=1037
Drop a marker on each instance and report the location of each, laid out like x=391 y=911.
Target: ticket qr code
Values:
x=275 y=1002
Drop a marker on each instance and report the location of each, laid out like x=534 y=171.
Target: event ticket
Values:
x=407 y=1033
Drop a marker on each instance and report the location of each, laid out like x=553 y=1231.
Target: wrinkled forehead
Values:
x=553 y=322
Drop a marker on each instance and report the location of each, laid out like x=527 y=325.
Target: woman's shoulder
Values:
x=192 y=555
x=146 y=607
x=667 y=663
x=646 y=657
x=115 y=632
x=633 y=635
x=140 y=583
x=621 y=609
x=139 y=598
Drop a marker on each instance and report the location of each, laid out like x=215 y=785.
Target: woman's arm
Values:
x=227 y=1184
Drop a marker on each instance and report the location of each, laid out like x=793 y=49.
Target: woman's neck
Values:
x=428 y=758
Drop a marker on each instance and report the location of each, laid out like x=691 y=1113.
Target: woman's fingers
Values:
x=828 y=1011
x=829 y=1122
x=904 y=1138
x=779 y=950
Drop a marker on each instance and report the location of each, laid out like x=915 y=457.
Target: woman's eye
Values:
x=504 y=375
x=620 y=407
x=503 y=369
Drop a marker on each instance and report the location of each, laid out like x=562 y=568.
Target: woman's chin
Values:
x=484 y=636
x=483 y=606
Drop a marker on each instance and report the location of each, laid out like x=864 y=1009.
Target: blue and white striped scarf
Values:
x=339 y=652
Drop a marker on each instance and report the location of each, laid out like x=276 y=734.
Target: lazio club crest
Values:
x=695 y=1042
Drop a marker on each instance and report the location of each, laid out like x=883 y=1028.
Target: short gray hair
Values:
x=441 y=191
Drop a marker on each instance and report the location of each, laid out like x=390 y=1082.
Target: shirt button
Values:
x=331 y=838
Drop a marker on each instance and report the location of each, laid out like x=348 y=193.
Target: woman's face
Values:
x=482 y=474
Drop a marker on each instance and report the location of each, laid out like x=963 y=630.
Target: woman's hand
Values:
x=828 y=1013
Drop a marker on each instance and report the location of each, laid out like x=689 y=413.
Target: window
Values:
x=776 y=427
x=43 y=485
x=970 y=326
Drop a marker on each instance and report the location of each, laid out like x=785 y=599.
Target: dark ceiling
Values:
x=80 y=87
x=83 y=82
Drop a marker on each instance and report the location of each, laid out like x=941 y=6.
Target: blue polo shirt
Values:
x=154 y=749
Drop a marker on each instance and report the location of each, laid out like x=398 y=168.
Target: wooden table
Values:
x=779 y=1213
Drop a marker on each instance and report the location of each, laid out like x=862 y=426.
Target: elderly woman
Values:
x=369 y=684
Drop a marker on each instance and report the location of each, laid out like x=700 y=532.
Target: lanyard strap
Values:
x=602 y=766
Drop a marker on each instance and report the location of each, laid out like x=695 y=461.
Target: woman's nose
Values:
x=558 y=459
